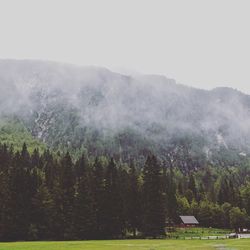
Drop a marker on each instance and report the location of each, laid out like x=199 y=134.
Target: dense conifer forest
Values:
x=49 y=196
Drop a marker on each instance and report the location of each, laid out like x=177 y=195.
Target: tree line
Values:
x=48 y=196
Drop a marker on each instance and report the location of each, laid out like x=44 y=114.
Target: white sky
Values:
x=203 y=43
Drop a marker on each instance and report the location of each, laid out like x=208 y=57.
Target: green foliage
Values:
x=245 y=193
x=13 y=132
x=181 y=233
x=238 y=218
x=47 y=196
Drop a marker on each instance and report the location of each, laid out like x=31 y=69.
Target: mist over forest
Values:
x=87 y=153
x=93 y=109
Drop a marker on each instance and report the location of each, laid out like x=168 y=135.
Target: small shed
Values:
x=188 y=221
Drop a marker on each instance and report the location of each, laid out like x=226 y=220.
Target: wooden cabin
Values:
x=188 y=221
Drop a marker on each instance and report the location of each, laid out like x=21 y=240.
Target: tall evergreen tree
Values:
x=170 y=197
x=133 y=201
x=112 y=203
x=98 y=186
x=5 y=195
x=64 y=198
x=20 y=206
x=192 y=185
x=42 y=214
x=153 y=205
x=50 y=170
x=223 y=195
x=84 y=224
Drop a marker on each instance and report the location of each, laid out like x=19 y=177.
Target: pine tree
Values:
x=84 y=219
x=5 y=195
x=50 y=170
x=170 y=197
x=98 y=186
x=112 y=203
x=42 y=214
x=133 y=201
x=223 y=195
x=192 y=185
x=84 y=210
x=36 y=160
x=64 y=199
x=20 y=203
x=153 y=205
x=68 y=191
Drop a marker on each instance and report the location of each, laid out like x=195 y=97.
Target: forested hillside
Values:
x=99 y=112
x=88 y=153
x=46 y=196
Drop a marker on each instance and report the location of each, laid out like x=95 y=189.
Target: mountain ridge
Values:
x=100 y=111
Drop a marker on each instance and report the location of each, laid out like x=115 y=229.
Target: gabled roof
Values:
x=189 y=220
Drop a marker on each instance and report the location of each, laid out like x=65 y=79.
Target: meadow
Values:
x=233 y=244
x=182 y=233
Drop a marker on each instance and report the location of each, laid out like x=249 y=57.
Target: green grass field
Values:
x=234 y=244
x=197 y=232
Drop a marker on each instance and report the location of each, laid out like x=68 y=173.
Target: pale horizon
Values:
x=199 y=44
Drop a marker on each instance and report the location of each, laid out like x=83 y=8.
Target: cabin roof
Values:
x=189 y=219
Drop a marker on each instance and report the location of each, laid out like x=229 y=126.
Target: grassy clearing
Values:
x=131 y=245
x=197 y=232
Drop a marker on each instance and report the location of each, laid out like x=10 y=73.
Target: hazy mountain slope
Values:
x=94 y=109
